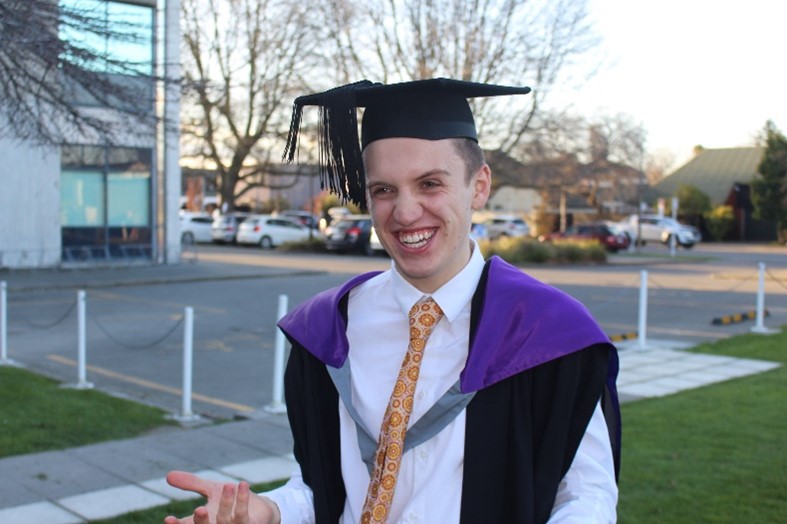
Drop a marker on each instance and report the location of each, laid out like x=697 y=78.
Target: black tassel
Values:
x=339 y=156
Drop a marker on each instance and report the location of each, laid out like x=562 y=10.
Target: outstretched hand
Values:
x=227 y=503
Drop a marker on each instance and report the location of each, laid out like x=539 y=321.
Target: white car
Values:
x=660 y=229
x=195 y=226
x=506 y=226
x=268 y=231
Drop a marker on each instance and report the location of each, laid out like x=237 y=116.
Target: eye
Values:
x=430 y=184
x=380 y=191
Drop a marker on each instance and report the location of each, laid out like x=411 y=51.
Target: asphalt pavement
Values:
x=104 y=480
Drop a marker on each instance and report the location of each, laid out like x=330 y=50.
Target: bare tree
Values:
x=55 y=61
x=244 y=64
x=518 y=42
x=658 y=164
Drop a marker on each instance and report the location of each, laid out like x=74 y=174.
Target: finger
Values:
x=224 y=514
x=189 y=482
x=201 y=515
x=242 y=504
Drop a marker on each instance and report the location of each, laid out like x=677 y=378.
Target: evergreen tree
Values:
x=769 y=190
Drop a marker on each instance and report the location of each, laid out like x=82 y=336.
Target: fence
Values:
x=646 y=284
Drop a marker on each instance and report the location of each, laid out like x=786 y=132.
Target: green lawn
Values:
x=38 y=415
x=714 y=454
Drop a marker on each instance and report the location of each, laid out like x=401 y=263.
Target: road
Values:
x=135 y=340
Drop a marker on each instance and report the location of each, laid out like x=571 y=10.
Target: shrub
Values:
x=529 y=251
x=720 y=222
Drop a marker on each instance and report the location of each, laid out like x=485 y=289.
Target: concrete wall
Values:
x=29 y=206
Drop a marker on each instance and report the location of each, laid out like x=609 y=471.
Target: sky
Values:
x=692 y=72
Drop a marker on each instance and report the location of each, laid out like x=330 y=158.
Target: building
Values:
x=724 y=175
x=103 y=201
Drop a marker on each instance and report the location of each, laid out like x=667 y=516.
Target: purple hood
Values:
x=523 y=323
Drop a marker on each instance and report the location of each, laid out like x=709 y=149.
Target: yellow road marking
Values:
x=152 y=385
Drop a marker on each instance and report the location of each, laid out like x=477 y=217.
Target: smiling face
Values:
x=422 y=200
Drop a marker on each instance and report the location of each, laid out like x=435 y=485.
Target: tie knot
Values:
x=423 y=316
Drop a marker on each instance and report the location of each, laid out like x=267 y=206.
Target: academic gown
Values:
x=537 y=363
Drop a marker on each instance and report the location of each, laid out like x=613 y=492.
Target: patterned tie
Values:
x=423 y=317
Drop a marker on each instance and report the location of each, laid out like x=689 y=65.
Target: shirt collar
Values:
x=452 y=296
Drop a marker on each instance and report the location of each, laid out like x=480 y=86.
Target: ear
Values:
x=482 y=186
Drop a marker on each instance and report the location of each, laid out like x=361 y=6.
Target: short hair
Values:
x=471 y=154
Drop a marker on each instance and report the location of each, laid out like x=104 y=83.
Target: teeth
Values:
x=416 y=239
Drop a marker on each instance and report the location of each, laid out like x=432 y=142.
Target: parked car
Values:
x=349 y=233
x=195 y=226
x=506 y=226
x=479 y=231
x=268 y=231
x=304 y=218
x=660 y=229
x=612 y=241
x=375 y=246
x=225 y=227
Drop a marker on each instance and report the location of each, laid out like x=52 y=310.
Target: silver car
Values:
x=654 y=228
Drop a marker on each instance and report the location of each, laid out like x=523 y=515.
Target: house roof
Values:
x=714 y=172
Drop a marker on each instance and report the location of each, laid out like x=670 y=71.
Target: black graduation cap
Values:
x=431 y=109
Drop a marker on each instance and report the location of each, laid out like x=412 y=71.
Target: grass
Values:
x=714 y=454
x=36 y=414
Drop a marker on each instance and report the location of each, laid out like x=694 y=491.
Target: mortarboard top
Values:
x=431 y=109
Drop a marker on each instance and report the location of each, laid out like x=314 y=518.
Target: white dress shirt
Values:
x=429 y=487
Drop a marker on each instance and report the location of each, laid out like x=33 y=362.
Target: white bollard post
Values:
x=82 y=382
x=672 y=246
x=4 y=360
x=759 y=326
x=277 y=404
x=643 y=310
x=186 y=414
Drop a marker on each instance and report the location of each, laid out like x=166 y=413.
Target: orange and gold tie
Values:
x=423 y=317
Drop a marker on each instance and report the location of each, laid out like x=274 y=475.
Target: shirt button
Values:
x=421 y=395
x=423 y=455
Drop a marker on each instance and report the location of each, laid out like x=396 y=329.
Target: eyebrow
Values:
x=427 y=174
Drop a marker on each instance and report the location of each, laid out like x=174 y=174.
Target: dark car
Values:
x=349 y=233
x=601 y=232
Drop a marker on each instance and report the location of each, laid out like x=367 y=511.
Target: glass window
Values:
x=105 y=201
x=128 y=199
x=114 y=39
x=81 y=198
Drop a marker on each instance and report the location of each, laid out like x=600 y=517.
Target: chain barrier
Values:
x=50 y=325
x=137 y=346
x=775 y=279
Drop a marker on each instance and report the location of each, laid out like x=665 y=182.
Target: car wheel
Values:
x=368 y=251
x=187 y=238
x=687 y=246
x=266 y=242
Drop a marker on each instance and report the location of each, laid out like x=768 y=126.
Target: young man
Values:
x=446 y=389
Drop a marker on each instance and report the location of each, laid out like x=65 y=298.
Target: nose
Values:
x=407 y=209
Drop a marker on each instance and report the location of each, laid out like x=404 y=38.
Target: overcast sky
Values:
x=691 y=71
